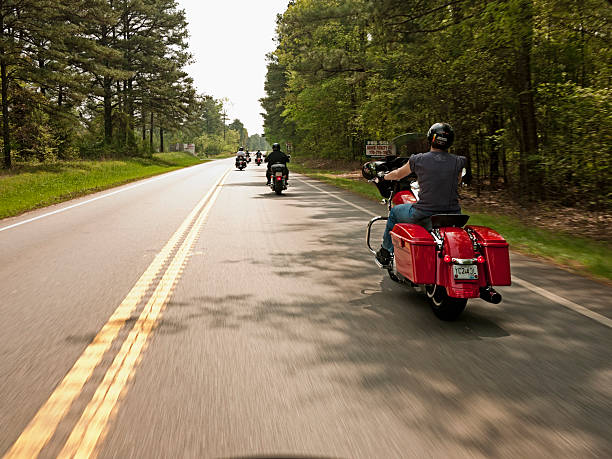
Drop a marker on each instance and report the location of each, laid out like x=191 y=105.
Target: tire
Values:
x=278 y=190
x=442 y=305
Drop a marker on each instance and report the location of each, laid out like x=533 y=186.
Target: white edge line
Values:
x=63 y=209
x=534 y=288
x=363 y=209
x=564 y=302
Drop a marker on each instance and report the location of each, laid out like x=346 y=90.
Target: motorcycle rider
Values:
x=439 y=175
x=240 y=153
x=276 y=157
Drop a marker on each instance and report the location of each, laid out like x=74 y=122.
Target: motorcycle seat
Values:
x=457 y=220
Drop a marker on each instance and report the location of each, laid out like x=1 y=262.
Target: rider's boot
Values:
x=384 y=257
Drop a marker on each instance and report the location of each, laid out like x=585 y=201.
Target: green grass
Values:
x=583 y=255
x=357 y=186
x=227 y=154
x=29 y=186
x=576 y=253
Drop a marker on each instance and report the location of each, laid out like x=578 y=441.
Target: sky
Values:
x=229 y=40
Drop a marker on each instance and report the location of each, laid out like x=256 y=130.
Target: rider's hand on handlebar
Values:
x=379 y=177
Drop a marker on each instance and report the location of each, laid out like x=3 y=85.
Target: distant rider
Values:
x=276 y=157
x=439 y=175
x=240 y=153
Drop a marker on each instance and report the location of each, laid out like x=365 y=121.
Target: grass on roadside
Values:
x=579 y=254
x=29 y=186
x=225 y=155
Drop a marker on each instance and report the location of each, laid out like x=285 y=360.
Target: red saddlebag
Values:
x=496 y=254
x=415 y=253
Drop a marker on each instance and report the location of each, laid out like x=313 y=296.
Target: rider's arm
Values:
x=400 y=173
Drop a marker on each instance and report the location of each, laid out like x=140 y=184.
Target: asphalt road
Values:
x=197 y=314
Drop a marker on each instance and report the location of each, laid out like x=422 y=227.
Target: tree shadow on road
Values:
x=525 y=378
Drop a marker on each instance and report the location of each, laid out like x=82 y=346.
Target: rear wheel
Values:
x=444 y=306
x=278 y=190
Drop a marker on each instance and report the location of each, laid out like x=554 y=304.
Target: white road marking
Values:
x=63 y=209
x=563 y=302
x=528 y=285
x=363 y=209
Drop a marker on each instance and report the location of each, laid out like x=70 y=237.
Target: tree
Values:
x=500 y=71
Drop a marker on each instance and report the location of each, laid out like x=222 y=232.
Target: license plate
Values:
x=465 y=272
x=278 y=174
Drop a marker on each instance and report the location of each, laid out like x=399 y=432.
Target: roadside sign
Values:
x=378 y=148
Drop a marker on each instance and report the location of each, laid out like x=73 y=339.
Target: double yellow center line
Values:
x=91 y=427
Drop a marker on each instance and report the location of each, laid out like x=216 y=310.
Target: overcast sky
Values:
x=229 y=40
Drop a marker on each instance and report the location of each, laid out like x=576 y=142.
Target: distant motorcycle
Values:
x=258 y=160
x=278 y=179
x=241 y=162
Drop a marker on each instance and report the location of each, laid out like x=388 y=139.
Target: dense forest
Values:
x=525 y=83
x=101 y=78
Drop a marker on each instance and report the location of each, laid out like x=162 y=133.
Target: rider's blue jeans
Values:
x=406 y=213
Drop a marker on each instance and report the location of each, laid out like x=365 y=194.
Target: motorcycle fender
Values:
x=457 y=244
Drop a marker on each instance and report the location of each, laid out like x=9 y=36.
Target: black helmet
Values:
x=241 y=149
x=441 y=135
x=276 y=147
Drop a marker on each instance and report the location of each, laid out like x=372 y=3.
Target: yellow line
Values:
x=44 y=424
x=91 y=428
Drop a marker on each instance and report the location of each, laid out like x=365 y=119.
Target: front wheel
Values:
x=444 y=306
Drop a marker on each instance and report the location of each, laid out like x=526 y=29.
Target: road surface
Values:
x=197 y=314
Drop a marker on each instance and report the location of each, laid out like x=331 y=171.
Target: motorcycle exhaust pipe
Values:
x=490 y=295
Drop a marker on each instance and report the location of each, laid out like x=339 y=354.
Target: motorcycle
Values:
x=278 y=179
x=241 y=162
x=258 y=160
x=449 y=261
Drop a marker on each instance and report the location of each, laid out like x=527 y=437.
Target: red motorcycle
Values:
x=258 y=160
x=449 y=261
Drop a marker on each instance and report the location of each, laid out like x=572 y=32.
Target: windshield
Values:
x=409 y=144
